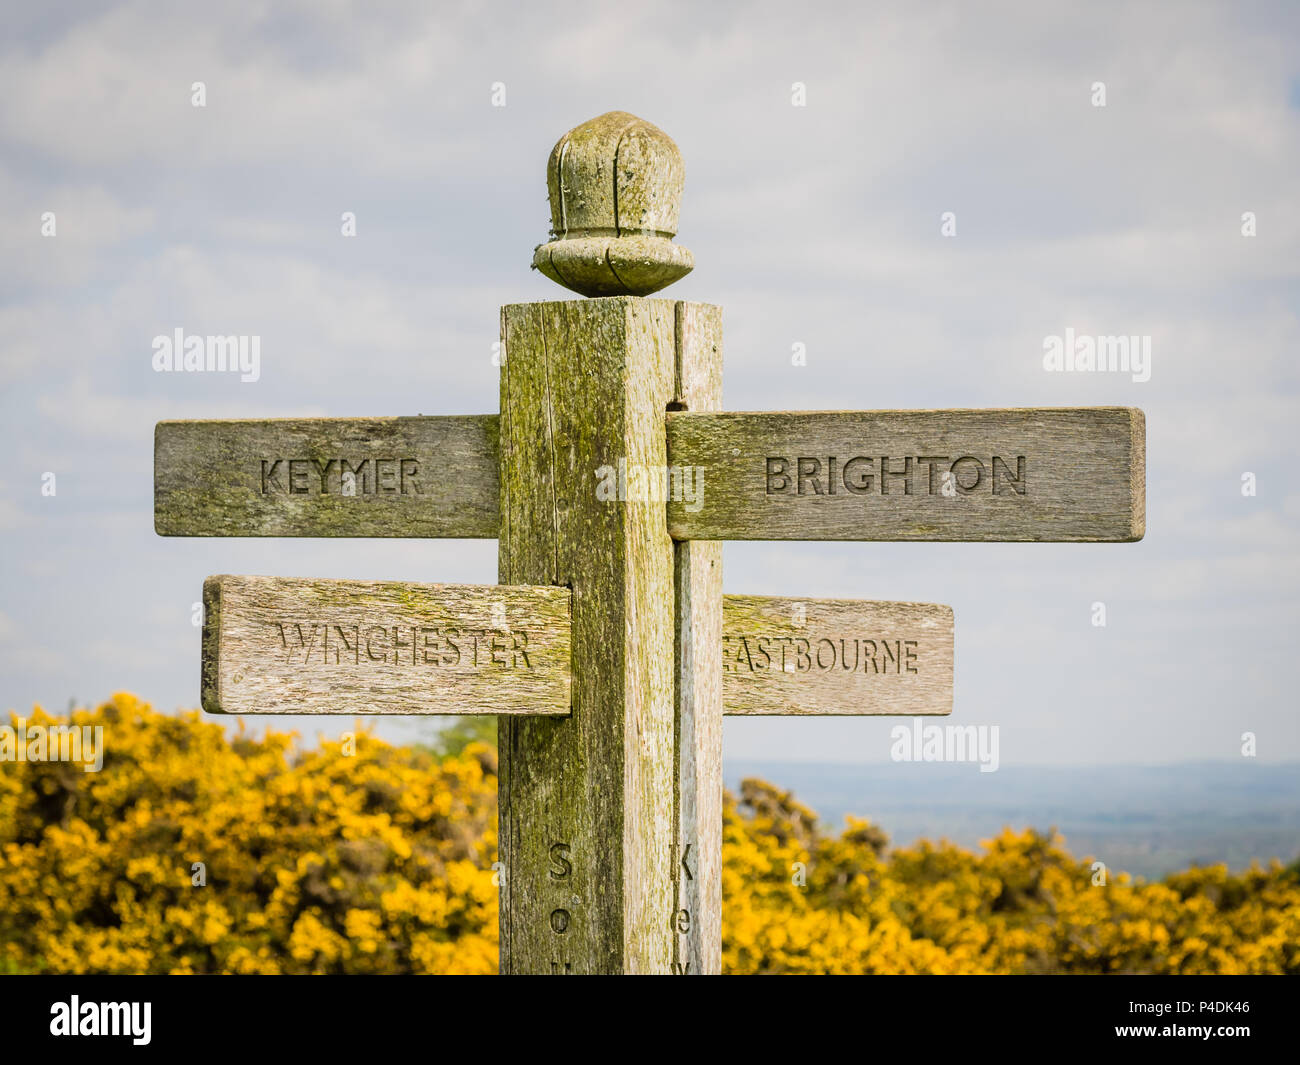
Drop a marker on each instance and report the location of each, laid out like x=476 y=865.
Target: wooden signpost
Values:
x=327 y=477
x=835 y=656
x=274 y=645
x=1047 y=474
x=610 y=478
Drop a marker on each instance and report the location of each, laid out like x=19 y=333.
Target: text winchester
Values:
x=325 y=643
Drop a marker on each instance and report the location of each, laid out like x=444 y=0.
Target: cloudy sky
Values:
x=818 y=225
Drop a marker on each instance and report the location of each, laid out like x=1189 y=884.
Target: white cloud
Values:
x=818 y=225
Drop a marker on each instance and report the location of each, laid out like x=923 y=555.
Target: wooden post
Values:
x=586 y=801
x=697 y=850
x=590 y=812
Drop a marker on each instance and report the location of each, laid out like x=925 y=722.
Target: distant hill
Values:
x=1146 y=820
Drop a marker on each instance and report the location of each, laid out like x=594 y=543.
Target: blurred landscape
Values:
x=195 y=849
x=1146 y=820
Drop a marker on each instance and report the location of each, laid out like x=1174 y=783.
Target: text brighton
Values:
x=859 y=475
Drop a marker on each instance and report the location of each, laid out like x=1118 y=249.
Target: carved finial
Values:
x=616 y=186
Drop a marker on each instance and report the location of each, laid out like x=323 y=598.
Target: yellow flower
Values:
x=192 y=852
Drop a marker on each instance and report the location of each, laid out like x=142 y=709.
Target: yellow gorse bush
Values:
x=1022 y=906
x=321 y=861
x=315 y=862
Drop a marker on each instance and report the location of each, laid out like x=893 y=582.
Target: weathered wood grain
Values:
x=586 y=803
x=697 y=845
x=835 y=656
x=425 y=476
x=275 y=645
x=1058 y=474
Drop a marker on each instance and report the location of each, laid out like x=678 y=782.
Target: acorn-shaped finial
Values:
x=615 y=185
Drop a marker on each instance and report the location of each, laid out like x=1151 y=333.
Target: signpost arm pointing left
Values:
x=423 y=476
x=284 y=645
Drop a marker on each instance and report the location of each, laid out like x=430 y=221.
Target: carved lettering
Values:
x=932 y=462
x=323 y=472
x=818 y=654
x=1005 y=479
x=777 y=481
x=559 y=859
x=808 y=475
x=386 y=475
x=270 y=476
x=858 y=481
x=910 y=655
x=318 y=643
x=298 y=477
x=886 y=475
x=343 y=476
x=810 y=471
x=355 y=479
x=519 y=645
x=969 y=477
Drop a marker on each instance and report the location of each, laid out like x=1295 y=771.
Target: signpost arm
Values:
x=586 y=803
x=697 y=852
